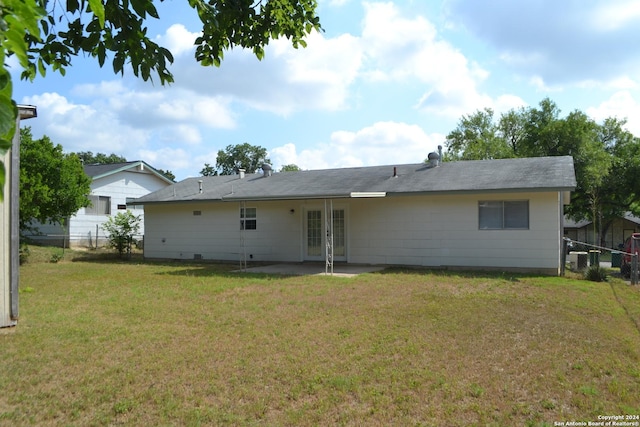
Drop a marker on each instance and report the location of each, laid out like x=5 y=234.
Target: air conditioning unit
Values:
x=578 y=260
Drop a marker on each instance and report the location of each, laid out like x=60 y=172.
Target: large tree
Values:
x=241 y=156
x=53 y=185
x=48 y=34
x=208 y=170
x=477 y=137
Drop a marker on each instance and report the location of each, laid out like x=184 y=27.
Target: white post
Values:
x=328 y=222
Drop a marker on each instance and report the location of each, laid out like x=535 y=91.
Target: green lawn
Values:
x=103 y=342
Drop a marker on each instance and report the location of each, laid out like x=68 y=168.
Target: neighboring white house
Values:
x=112 y=187
x=496 y=214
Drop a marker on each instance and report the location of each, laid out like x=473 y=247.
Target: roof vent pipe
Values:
x=200 y=186
x=439 y=154
x=395 y=172
x=433 y=159
x=241 y=173
x=266 y=168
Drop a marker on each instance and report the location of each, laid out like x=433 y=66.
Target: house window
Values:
x=504 y=215
x=100 y=205
x=248 y=219
x=132 y=206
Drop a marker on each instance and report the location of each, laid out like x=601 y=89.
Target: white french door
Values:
x=320 y=230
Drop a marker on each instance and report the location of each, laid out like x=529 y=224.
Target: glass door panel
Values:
x=339 y=234
x=314 y=233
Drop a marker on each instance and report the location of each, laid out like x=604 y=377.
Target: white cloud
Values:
x=172 y=159
x=621 y=105
x=284 y=155
x=612 y=16
x=287 y=80
x=79 y=127
x=105 y=89
x=399 y=48
x=336 y=3
x=112 y=117
x=504 y=103
x=378 y=144
x=178 y=40
x=180 y=106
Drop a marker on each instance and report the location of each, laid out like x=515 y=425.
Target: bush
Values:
x=596 y=274
x=121 y=228
x=24 y=253
x=55 y=258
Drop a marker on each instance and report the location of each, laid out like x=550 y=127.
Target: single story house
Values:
x=113 y=186
x=491 y=214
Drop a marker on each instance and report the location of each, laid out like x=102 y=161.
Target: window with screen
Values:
x=248 y=219
x=100 y=205
x=503 y=215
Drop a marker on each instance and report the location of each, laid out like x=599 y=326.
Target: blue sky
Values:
x=383 y=84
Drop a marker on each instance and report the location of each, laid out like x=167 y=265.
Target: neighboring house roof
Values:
x=97 y=171
x=569 y=223
x=523 y=174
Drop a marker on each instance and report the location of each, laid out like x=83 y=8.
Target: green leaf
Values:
x=8 y=110
x=118 y=63
x=152 y=11
x=102 y=54
x=41 y=67
x=5 y=81
x=98 y=10
x=139 y=7
x=72 y=5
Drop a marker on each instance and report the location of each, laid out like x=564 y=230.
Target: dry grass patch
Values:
x=190 y=344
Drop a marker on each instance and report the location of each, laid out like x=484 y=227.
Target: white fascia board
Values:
x=361 y=194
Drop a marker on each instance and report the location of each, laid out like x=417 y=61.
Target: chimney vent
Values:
x=241 y=173
x=200 y=186
x=434 y=159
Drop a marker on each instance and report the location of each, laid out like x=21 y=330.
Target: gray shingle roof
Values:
x=96 y=171
x=524 y=174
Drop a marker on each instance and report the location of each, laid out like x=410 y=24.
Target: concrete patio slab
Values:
x=313 y=269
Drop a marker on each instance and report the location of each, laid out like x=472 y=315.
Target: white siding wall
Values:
x=120 y=186
x=436 y=231
x=173 y=231
x=443 y=231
